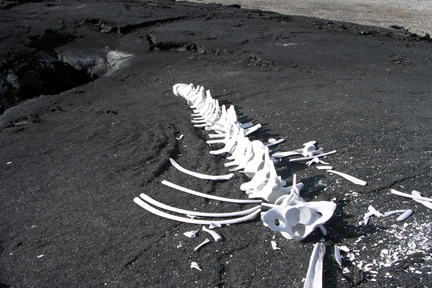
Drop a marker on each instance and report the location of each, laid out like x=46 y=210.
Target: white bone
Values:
x=199 y=175
x=298 y=221
x=314 y=273
x=215 y=235
x=214 y=225
x=337 y=255
x=246 y=125
x=323 y=229
x=425 y=203
x=415 y=197
x=284 y=154
x=206 y=241
x=195 y=265
x=150 y=200
x=191 y=234
x=311 y=157
x=374 y=211
x=345 y=249
x=257 y=160
x=405 y=215
x=349 y=177
x=204 y=195
x=155 y=211
x=274 y=245
x=230 y=144
x=250 y=130
x=273 y=142
x=388 y=213
x=324 y=167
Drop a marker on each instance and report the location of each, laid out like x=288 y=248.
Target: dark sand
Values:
x=72 y=162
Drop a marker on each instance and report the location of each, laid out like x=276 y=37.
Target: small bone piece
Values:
x=314 y=274
x=206 y=241
x=323 y=229
x=349 y=177
x=195 y=265
x=312 y=157
x=324 y=167
x=337 y=255
x=345 y=249
x=191 y=234
x=273 y=142
x=274 y=245
x=405 y=215
x=374 y=211
x=214 y=226
x=199 y=175
x=388 y=213
x=215 y=235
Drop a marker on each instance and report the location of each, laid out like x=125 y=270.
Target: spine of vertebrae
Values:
x=287 y=212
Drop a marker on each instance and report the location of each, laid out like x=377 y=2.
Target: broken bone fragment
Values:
x=349 y=177
x=274 y=245
x=195 y=265
x=205 y=242
x=337 y=255
x=191 y=234
x=315 y=270
x=214 y=234
x=405 y=215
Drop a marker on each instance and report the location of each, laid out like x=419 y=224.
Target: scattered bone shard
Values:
x=215 y=235
x=405 y=215
x=274 y=245
x=314 y=273
x=205 y=242
x=191 y=234
x=195 y=265
x=349 y=177
x=337 y=255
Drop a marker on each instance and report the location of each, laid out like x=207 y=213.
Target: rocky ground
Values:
x=89 y=121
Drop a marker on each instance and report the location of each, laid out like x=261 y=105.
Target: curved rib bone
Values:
x=195 y=213
x=199 y=175
x=204 y=195
x=155 y=211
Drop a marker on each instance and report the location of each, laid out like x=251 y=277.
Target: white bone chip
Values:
x=404 y=215
x=274 y=245
x=191 y=234
x=324 y=167
x=349 y=177
x=337 y=255
x=195 y=265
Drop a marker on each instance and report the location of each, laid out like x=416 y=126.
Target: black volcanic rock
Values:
x=90 y=122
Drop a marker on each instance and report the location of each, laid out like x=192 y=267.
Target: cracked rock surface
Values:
x=74 y=157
